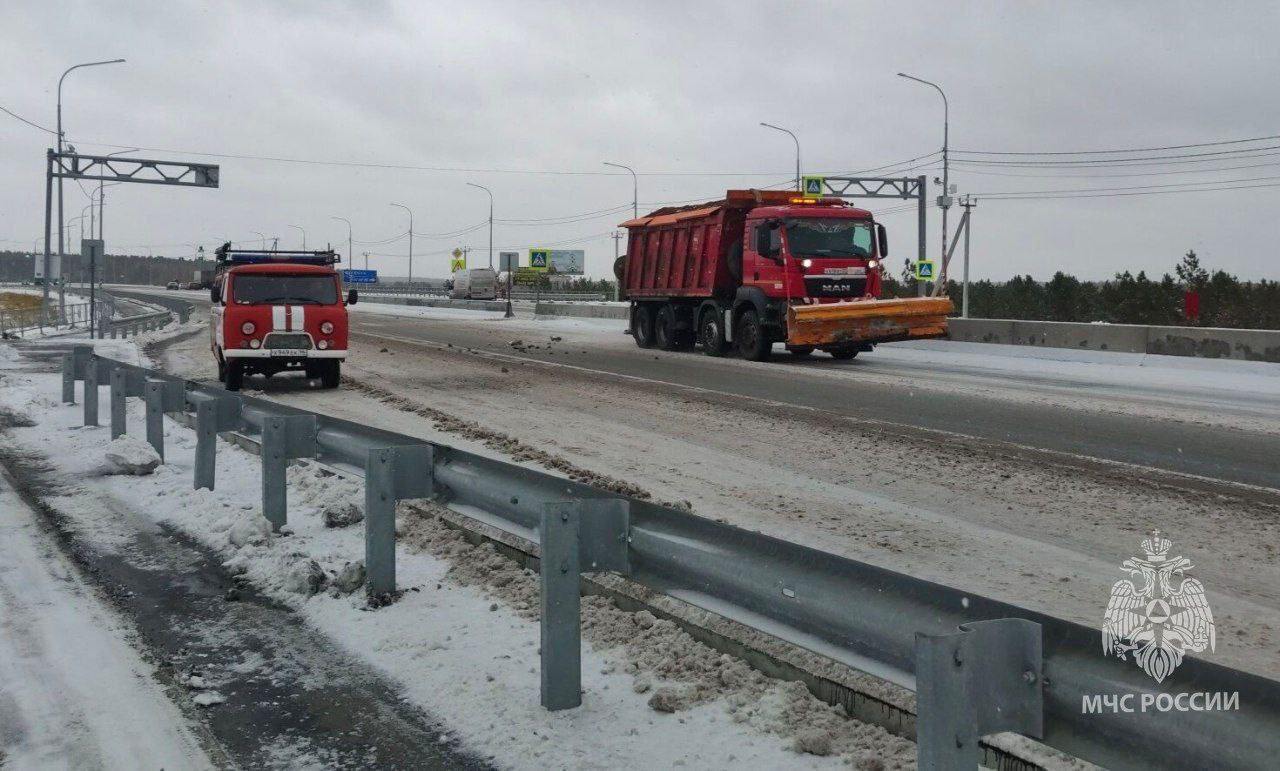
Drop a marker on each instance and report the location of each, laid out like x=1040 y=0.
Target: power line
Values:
x=13 y=114
x=1217 y=170
x=1086 y=194
x=1125 y=150
x=1184 y=185
x=1097 y=162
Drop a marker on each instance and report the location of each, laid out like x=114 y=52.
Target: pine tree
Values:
x=1190 y=273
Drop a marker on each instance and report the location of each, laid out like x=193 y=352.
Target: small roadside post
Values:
x=508 y=261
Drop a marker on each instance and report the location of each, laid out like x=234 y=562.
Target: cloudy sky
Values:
x=528 y=99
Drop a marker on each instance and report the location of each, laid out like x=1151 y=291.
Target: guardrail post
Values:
x=213 y=414
x=91 y=371
x=391 y=474
x=68 y=378
x=118 y=386
x=573 y=536
x=161 y=396
x=985 y=678
x=283 y=437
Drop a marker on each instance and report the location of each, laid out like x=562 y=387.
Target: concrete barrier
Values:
x=436 y=302
x=1203 y=342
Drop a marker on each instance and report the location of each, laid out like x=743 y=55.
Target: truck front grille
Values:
x=835 y=286
x=287 y=340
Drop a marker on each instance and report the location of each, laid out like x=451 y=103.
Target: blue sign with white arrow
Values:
x=359 y=276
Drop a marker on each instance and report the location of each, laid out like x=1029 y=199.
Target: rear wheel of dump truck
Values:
x=753 y=339
x=711 y=332
x=665 y=335
x=800 y=351
x=843 y=354
x=642 y=325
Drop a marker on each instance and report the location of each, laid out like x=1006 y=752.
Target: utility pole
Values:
x=490 y=192
x=61 y=142
x=617 y=282
x=366 y=260
x=406 y=208
x=944 y=200
x=797 y=141
x=635 y=188
x=968 y=203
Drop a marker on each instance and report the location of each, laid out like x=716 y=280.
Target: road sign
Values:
x=350 y=276
x=539 y=259
x=527 y=275
x=812 y=186
x=459 y=261
x=567 y=262
x=924 y=270
x=508 y=261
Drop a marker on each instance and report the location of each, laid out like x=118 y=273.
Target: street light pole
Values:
x=304 y=236
x=406 y=208
x=61 y=245
x=635 y=189
x=797 y=141
x=490 y=192
x=944 y=201
x=263 y=236
x=351 y=257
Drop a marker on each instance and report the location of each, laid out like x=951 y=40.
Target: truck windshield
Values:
x=829 y=238
x=250 y=289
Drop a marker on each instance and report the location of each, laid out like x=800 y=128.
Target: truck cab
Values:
x=278 y=312
x=813 y=252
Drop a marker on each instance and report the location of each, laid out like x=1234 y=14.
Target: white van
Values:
x=475 y=284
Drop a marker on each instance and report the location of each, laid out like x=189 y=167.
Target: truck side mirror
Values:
x=768 y=239
x=352 y=296
x=883 y=236
x=215 y=295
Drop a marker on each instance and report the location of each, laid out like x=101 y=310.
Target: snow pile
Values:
x=127 y=455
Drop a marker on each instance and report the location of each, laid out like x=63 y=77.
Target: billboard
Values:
x=565 y=262
x=350 y=276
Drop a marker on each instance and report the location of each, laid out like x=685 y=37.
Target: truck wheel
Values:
x=330 y=375
x=665 y=335
x=711 y=333
x=235 y=375
x=800 y=351
x=843 y=354
x=222 y=371
x=753 y=340
x=642 y=325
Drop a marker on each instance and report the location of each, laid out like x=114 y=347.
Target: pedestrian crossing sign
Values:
x=812 y=186
x=539 y=259
x=458 y=261
x=924 y=270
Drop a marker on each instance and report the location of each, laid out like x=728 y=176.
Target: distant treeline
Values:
x=1225 y=301
x=113 y=269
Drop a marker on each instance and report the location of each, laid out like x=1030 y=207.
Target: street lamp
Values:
x=351 y=257
x=406 y=208
x=261 y=235
x=635 y=189
x=490 y=192
x=793 y=138
x=944 y=200
x=304 y=236
x=101 y=188
x=61 y=246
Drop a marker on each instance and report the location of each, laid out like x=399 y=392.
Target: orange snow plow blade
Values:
x=867 y=321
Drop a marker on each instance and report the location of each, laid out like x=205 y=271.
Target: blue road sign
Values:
x=359 y=276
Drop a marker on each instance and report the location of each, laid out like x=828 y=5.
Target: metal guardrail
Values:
x=978 y=666
x=15 y=322
x=516 y=294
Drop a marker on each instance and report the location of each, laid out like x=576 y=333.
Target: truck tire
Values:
x=222 y=371
x=711 y=332
x=330 y=374
x=843 y=354
x=642 y=325
x=235 y=375
x=800 y=351
x=751 y=336
x=665 y=334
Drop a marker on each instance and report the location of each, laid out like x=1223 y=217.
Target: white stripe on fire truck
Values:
x=277 y=318
x=297 y=317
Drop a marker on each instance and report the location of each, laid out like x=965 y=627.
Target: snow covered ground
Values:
x=74 y=691
x=462 y=642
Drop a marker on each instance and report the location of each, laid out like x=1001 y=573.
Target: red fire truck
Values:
x=278 y=311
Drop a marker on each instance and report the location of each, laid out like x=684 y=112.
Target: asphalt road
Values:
x=1211 y=452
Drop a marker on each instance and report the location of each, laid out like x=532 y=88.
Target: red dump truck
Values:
x=760 y=267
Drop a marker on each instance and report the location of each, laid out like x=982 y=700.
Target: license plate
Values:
x=854 y=271
x=288 y=353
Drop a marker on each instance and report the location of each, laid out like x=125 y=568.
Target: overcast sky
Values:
x=675 y=90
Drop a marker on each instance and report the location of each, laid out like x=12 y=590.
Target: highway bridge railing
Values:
x=978 y=666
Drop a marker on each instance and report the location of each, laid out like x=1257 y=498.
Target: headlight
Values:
x=255 y=343
x=248 y=328
x=806 y=263
x=326 y=328
x=873 y=264
x=323 y=345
